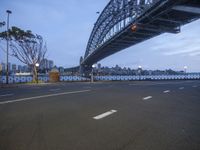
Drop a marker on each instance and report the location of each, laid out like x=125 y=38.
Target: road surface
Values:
x=146 y=115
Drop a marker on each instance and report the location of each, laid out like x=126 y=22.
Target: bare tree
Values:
x=28 y=48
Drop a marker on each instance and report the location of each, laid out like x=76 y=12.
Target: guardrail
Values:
x=26 y=79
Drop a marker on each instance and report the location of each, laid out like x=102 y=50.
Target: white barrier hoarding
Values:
x=25 y=79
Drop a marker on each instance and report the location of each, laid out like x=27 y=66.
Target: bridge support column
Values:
x=85 y=70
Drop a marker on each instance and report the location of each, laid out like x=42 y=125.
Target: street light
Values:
x=134 y=27
x=92 y=74
x=37 y=66
x=139 y=71
x=7 y=49
x=185 y=70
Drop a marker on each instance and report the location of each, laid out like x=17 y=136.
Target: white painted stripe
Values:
x=167 y=91
x=148 y=97
x=181 y=88
x=6 y=95
x=54 y=90
x=42 y=96
x=105 y=114
x=195 y=86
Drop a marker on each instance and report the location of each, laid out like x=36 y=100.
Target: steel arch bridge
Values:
x=124 y=23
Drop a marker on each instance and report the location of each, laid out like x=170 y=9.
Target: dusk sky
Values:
x=66 y=26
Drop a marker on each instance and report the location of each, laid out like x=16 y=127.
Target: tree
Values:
x=27 y=47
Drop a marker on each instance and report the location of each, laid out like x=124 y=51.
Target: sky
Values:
x=67 y=24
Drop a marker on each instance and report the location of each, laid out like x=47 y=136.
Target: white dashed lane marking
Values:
x=167 y=91
x=5 y=95
x=105 y=114
x=181 y=88
x=147 y=98
x=194 y=86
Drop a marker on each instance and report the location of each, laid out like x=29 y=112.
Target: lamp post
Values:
x=185 y=71
x=37 y=66
x=139 y=71
x=7 y=48
x=92 y=74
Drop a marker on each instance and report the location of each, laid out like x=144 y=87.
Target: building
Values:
x=99 y=66
x=19 y=68
x=3 y=66
x=46 y=64
x=14 y=68
x=61 y=69
x=51 y=64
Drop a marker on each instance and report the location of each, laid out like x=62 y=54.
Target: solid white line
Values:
x=42 y=96
x=167 y=91
x=6 y=95
x=148 y=97
x=181 y=88
x=105 y=114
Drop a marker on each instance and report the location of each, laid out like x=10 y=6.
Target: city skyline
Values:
x=71 y=30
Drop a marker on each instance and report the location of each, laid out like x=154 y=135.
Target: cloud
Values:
x=195 y=53
x=184 y=51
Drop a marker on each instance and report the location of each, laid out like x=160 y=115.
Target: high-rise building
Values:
x=3 y=66
x=99 y=66
x=25 y=68
x=14 y=68
x=46 y=64
x=19 y=68
x=51 y=64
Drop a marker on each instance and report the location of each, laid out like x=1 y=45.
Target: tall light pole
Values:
x=140 y=71
x=1 y=25
x=7 y=50
x=37 y=67
x=92 y=74
x=185 y=70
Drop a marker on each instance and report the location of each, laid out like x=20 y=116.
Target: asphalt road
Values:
x=146 y=115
